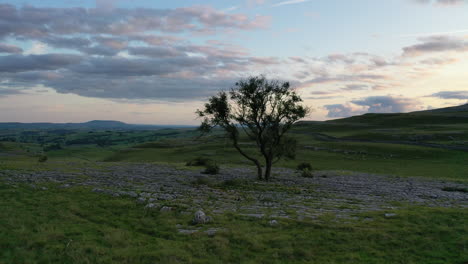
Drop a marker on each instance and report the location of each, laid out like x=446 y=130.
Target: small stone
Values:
x=211 y=231
x=390 y=215
x=44 y=188
x=97 y=190
x=165 y=209
x=166 y=197
x=273 y=223
x=200 y=218
x=187 y=231
x=141 y=200
x=65 y=186
x=132 y=194
x=150 y=206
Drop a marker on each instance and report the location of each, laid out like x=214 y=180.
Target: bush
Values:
x=200 y=161
x=42 y=158
x=306 y=173
x=234 y=183
x=304 y=165
x=202 y=181
x=211 y=168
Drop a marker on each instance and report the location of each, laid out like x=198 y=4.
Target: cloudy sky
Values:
x=156 y=62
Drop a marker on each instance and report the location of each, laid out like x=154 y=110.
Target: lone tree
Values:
x=264 y=110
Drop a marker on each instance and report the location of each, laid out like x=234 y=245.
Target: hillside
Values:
x=90 y=125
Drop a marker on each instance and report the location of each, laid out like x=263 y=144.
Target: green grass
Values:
x=78 y=226
x=391 y=159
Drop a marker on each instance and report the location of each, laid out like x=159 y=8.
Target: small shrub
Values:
x=211 y=168
x=306 y=173
x=202 y=181
x=455 y=189
x=304 y=165
x=234 y=183
x=200 y=161
x=42 y=158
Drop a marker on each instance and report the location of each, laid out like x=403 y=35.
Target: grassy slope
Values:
x=385 y=158
x=77 y=226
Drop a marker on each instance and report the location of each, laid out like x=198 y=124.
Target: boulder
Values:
x=200 y=218
x=151 y=206
x=165 y=209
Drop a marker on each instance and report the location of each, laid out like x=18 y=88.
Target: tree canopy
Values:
x=265 y=110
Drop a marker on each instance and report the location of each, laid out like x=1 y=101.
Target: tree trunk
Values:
x=268 y=165
x=259 y=171
x=255 y=161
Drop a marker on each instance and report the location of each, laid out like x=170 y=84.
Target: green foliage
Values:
x=211 y=168
x=42 y=159
x=36 y=229
x=307 y=173
x=455 y=189
x=262 y=109
x=200 y=180
x=51 y=147
x=200 y=161
x=304 y=165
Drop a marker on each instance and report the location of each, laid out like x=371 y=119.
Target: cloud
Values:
x=343 y=110
x=460 y=95
x=5 y=48
x=125 y=53
x=387 y=104
x=441 y=2
x=354 y=87
x=290 y=2
x=34 y=22
x=374 y=104
x=436 y=44
x=21 y=63
x=7 y=91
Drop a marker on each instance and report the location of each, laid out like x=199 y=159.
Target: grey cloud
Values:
x=341 y=110
x=436 y=44
x=354 y=87
x=461 y=95
x=138 y=67
x=6 y=48
x=387 y=104
x=21 y=63
x=348 y=78
x=373 y=104
x=9 y=91
x=156 y=52
x=34 y=22
x=441 y=2
x=149 y=87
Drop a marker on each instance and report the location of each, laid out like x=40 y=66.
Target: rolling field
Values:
x=69 y=209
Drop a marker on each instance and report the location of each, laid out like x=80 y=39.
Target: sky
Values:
x=157 y=62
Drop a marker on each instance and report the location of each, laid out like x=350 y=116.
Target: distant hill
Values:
x=453 y=109
x=91 y=125
x=448 y=115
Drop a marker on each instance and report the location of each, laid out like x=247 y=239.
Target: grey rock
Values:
x=165 y=209
x=390 y=215
x=212 y=231
x=151 y=206
x=200 y=218
x=273 y=222
x=141 y=200
x=187 y=231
